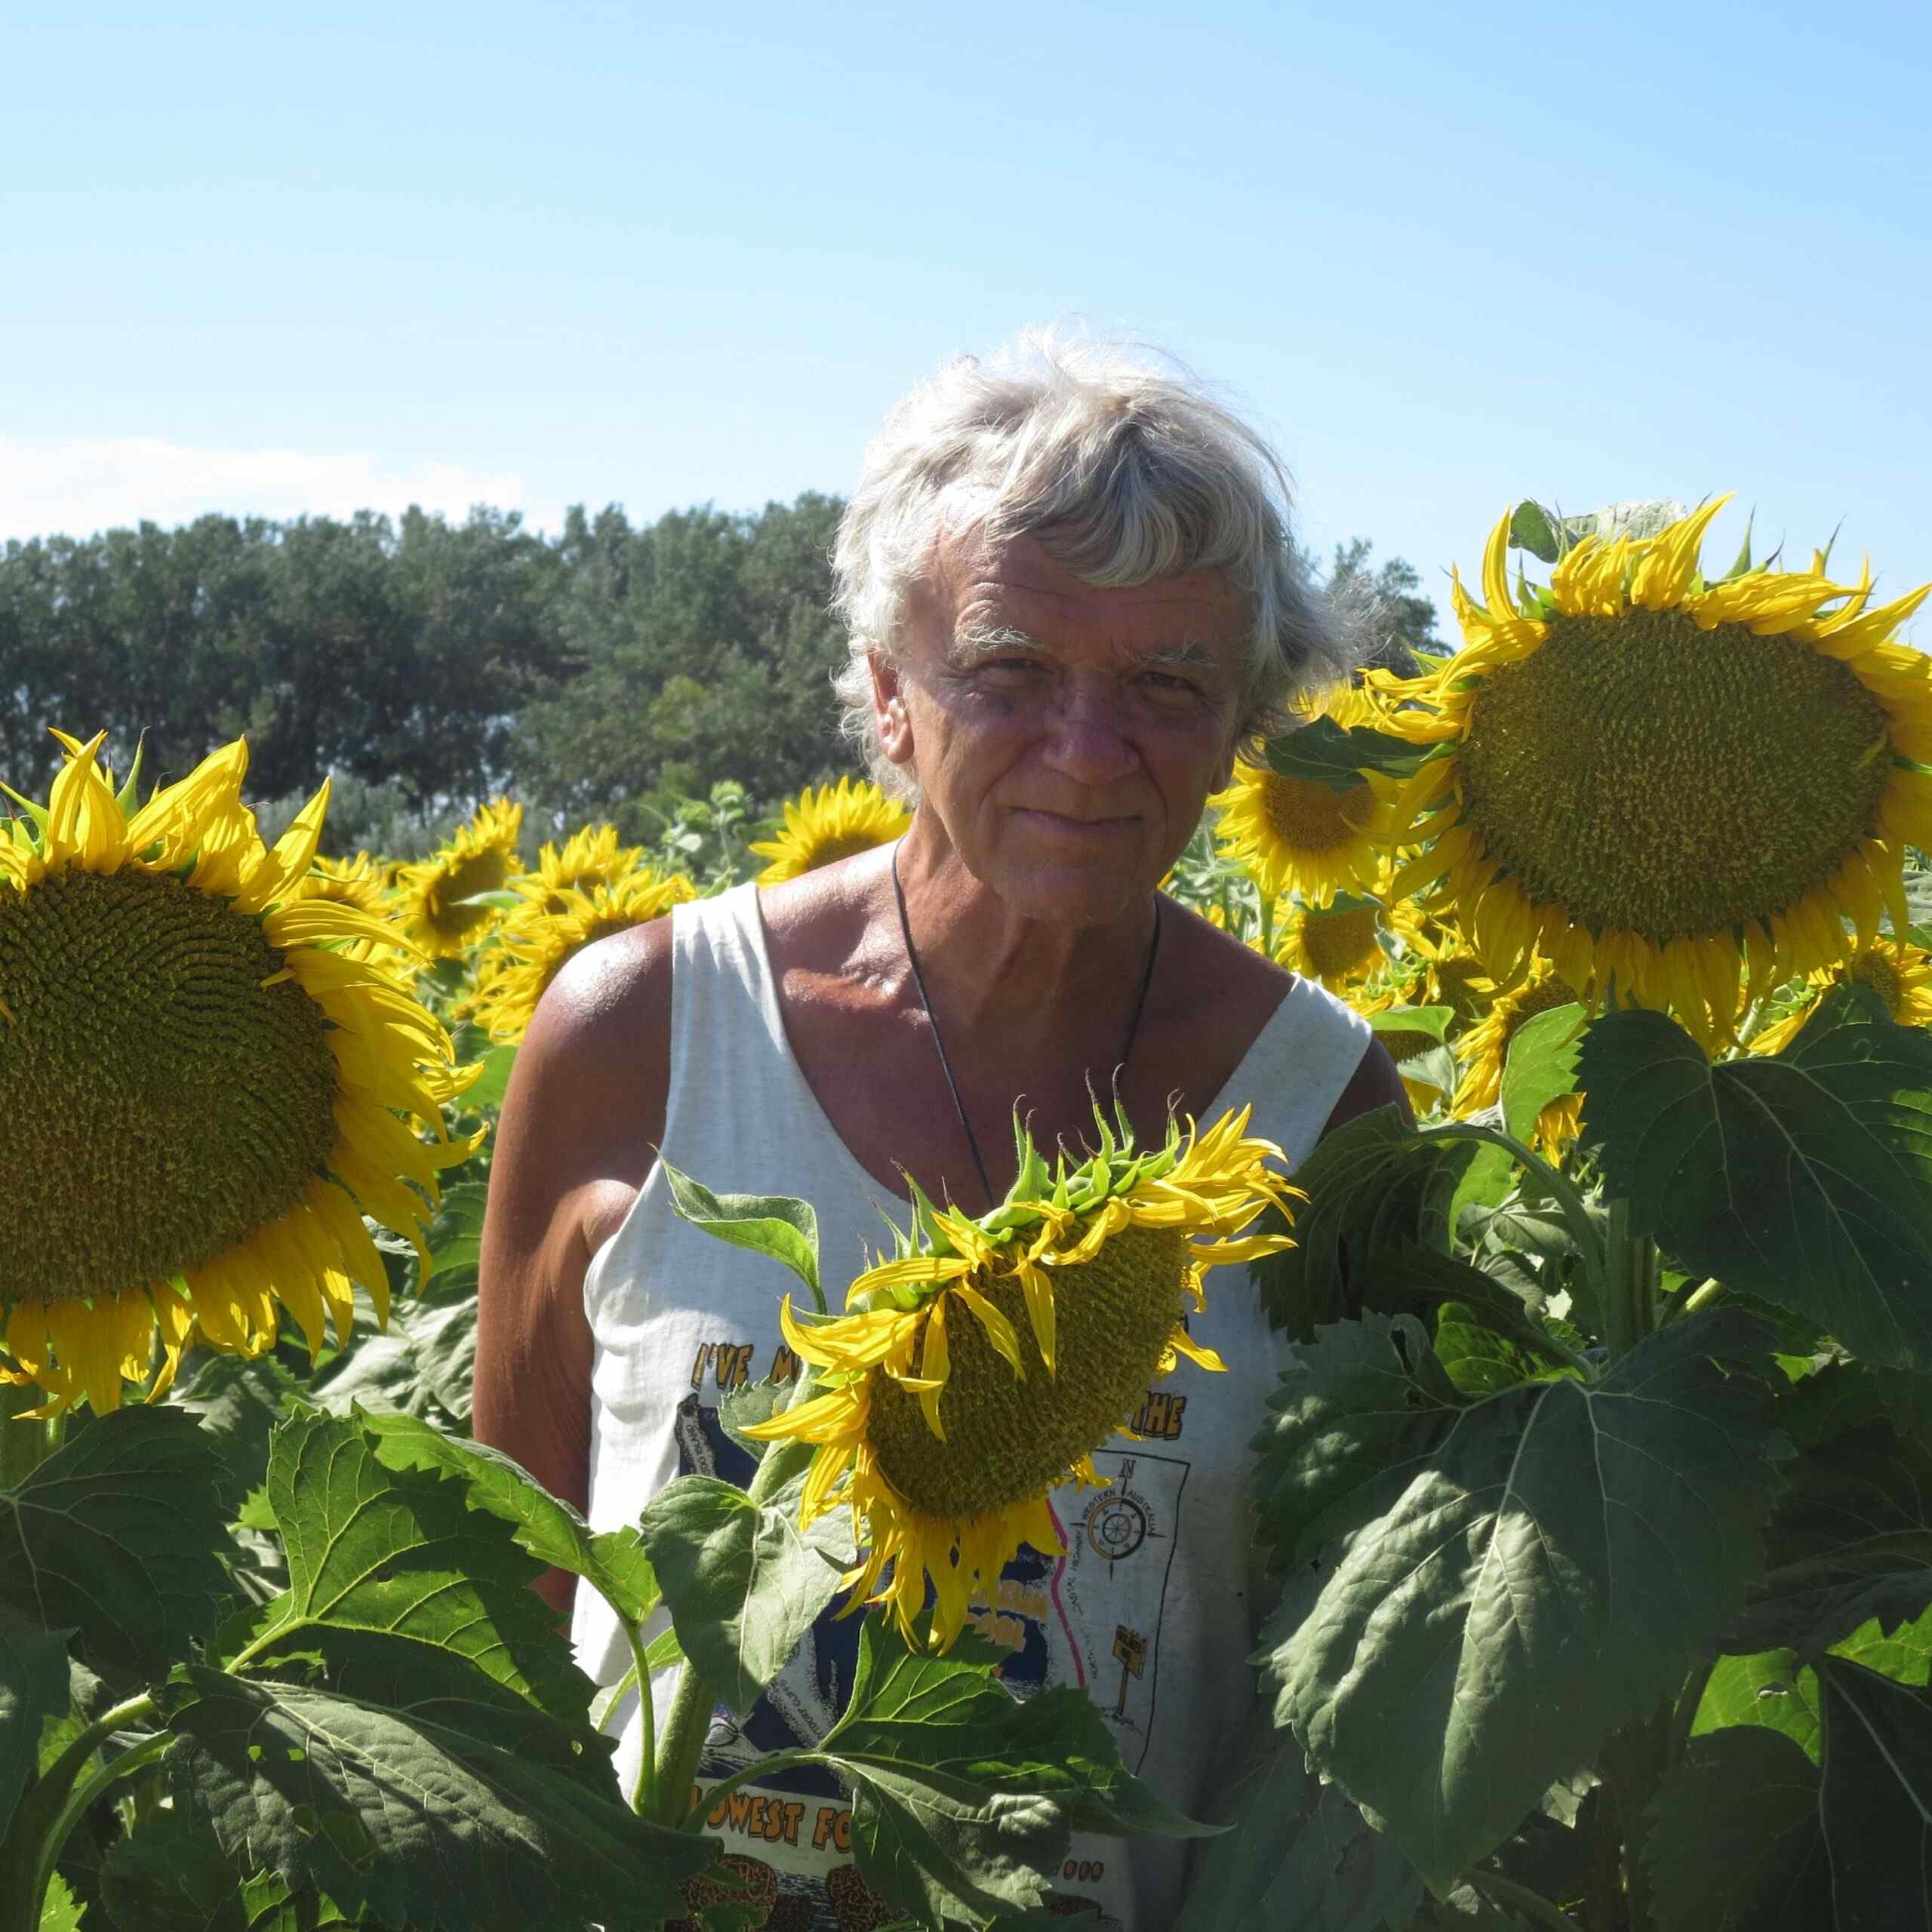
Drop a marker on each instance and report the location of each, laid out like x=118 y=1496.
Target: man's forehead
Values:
x=986 y=583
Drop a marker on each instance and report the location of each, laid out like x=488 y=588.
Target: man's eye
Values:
x=1171 y=685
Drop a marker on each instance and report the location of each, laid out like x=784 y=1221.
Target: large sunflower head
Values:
x=828 y=823
x=1653 y=780
x=204 y=1091
x=534 y=944
x=590 y=857
x=439 y=896
x=1299 y=834
x=987 y=1359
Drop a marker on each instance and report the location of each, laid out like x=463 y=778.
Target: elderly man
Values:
x=1071 y=595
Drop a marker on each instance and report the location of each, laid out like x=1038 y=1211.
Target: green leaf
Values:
x=962 y=1795
x=33 y=1688
x=773 y=1224
x=1433 y=1021
x=416 y=1820
x=492 y=1082
x=1376 y=1180
x=171 y=1874
x=1805 y=1177
x=1541 y=1066
x=118 y=1534
x=749 y=1404
x=1298 y=1853
x=1769 y=1688
x=1323 y=753
x=1749 y=1835
x=1532 y=528
x=456 y=1236
x=1851 y=1540
x=424 y=1365
x=60 y=1910
x=399 y=1554
x=1500 y=1584
x=239 y=1399
x=614 y=1563
x=742 y=1582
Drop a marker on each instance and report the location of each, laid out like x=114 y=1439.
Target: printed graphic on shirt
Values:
x=1113 y=1581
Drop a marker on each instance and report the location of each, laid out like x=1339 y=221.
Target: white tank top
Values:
x=1149 y=1608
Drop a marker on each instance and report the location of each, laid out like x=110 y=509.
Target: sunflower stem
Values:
x=779 y=1761
x=642 y=1794
x=25 y=1442
x=688 y=1719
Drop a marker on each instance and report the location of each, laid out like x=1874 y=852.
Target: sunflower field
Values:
x=1594 y=1512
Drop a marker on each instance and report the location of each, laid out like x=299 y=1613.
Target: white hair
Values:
x=1122 y=467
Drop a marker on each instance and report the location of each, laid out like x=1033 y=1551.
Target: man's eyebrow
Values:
x=988 y=640
x=973 y=641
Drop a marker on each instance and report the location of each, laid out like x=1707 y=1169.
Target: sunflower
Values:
x=1339 y=944
x=203 y=1095
x=1452 y=975
x=534 y=944
x=591 y=856
x=360 y=883
x=1298 y=835
x=828 y=824
x=1484 y=1052
x=1654 y=781
x=984 y=1363
x=1900 y=974
x=436 y=894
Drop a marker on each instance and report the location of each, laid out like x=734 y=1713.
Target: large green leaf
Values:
x=1750 y=1836
x=416 y=1821
x=1377 y=1181
x=742 y=1582
x=963 y=1795
x=171 y=1874
x=239 y=1400
x=1850 y=1539
x=1297 y=1853
x=33 y=1687
x=1479 y=1592
x=770 y=1224
x=399 y=1553
x=553 y=1532
x=118 y=1535
x=1805 y=1177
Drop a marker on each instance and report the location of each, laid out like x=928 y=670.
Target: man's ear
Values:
x=889 y=711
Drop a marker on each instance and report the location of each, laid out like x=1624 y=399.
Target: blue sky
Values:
x=1446 y=257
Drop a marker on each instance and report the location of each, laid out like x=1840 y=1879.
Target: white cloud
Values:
x=71 y=487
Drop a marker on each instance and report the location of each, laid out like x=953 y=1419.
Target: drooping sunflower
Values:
x=1654 y=781
x=1299 y=834
x=590 y=857
x=203 y=1094
x=1339 y=944
x=533 y=945
x=436 y=894
x=828 y=824
x=1483 y=1051
x=984 y=1363
x=1900 y=972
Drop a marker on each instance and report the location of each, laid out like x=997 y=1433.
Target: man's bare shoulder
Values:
x=1219 y=964
x=589 y=1092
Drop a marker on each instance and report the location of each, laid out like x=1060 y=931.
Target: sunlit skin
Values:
x=1065 y=738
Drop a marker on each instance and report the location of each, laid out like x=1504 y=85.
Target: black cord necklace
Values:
x=932 y=1019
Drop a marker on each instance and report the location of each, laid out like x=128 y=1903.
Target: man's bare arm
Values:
x=581 y=1120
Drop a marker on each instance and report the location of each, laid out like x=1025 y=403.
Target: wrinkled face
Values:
x=1066 y=737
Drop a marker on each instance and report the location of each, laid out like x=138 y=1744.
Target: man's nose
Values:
x=1086 y=739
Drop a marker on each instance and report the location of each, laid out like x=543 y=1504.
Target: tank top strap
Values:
x=1296 y=1067
x=729 y=1056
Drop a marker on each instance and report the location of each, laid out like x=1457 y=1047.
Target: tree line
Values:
x=426 y=663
